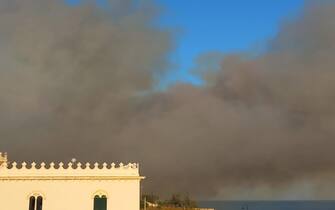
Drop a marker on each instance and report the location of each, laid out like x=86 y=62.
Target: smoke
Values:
x=77 y=81
x=70 y=75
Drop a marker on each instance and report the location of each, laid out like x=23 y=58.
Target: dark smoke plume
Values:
x=77 y=82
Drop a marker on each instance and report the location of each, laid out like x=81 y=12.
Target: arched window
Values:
x=35 y=202
x=39 y=203
x=32 y=203
x=100 y=202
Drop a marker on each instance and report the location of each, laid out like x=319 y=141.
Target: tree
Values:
x=152 y=198
x=188 y=203
x=177 y=200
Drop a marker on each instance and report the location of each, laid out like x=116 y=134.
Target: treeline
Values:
x=176 y=201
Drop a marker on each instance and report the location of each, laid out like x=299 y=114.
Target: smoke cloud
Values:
x=71 y=76
x=77 y=81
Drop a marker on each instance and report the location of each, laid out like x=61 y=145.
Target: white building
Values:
x=74 y=187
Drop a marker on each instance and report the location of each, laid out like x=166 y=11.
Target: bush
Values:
x=176 y=200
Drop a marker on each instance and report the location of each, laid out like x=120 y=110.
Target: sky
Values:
x=72 y=80
x=221 y=26
x=225 y=26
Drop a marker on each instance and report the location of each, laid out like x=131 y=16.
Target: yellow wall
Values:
x=70 y=188
x=69 y=195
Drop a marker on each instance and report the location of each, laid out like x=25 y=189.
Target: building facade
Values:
x=71 y=187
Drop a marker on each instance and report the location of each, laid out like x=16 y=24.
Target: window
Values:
x=100 y=202
x=32 y=203
x=35 y=202
x=39 y=203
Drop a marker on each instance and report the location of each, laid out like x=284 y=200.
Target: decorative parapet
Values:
x=71 y=170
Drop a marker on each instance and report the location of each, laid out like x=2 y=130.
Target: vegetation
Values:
x=175 y=201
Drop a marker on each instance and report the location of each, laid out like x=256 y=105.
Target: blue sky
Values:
x=225 y=26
